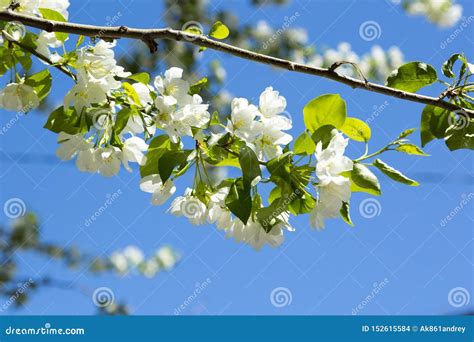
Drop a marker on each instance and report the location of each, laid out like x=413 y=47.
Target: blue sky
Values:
x=328 y=272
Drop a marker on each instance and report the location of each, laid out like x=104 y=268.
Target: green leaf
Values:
x=219 y=30
x=447 y=67
x=412 y=77
x=461 y=135
x=329 y=109
x=249 y=164
x=50 y=14
x=41 y=83
x=345 y=213
x=131 y=92
x=215 y=119
x=323 y=134
x=239 y=200
x=411 y=149
x=364 y=180
x=158 y=146
x=61 y=120
x=122 y=118
x=304 y=144
x=196 y=87
x=393 y=173
x=434 y=123
x=169 y=160
x=356 y=129
x=406 y=133
x=79 y=42
x=141 y=77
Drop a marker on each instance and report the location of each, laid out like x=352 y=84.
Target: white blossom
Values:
x=160 y=192
x=132 y=151
x=18 y=97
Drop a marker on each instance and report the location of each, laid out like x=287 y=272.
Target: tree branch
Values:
x=149 y=36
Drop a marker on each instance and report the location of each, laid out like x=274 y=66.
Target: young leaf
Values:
x=393 y=173
x=412 y=77
x=345 y=214
x=411 y=149
x=365 y=180
x=41 y=83
x=329 y=109
x=406 y=133
x=356 y=129
x=447 y=67
x=249 y=164
x=219 y=30
x=158 y=146
x=63 y=120
x=304 y=144
x=141 y=77
x=131 y=92
x=196 y=87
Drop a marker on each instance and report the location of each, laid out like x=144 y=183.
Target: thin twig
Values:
x=150 y=35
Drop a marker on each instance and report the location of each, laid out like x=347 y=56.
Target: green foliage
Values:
x=239 y=200
x=41 y=83
x=63 y=120
x=157 y=148
x=393 y=173
x=356 y=129
x=412 y=77
x=169 y=160
x=363 y=180
x=304 y=144
x=219 y=30
x=196 y=87
x=329 y=109
x=249 y=164
x=345 y=214
x=447 y=67
x=141 y=77
x=410 y=149
x=434 y=123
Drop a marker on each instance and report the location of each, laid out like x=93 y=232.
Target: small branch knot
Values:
x=123 y=29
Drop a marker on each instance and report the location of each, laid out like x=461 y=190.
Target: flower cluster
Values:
x=444 y=13
x=132 y=258
x=216 y=212
x=262 y=127
x=334 y=189
x=376 y=64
